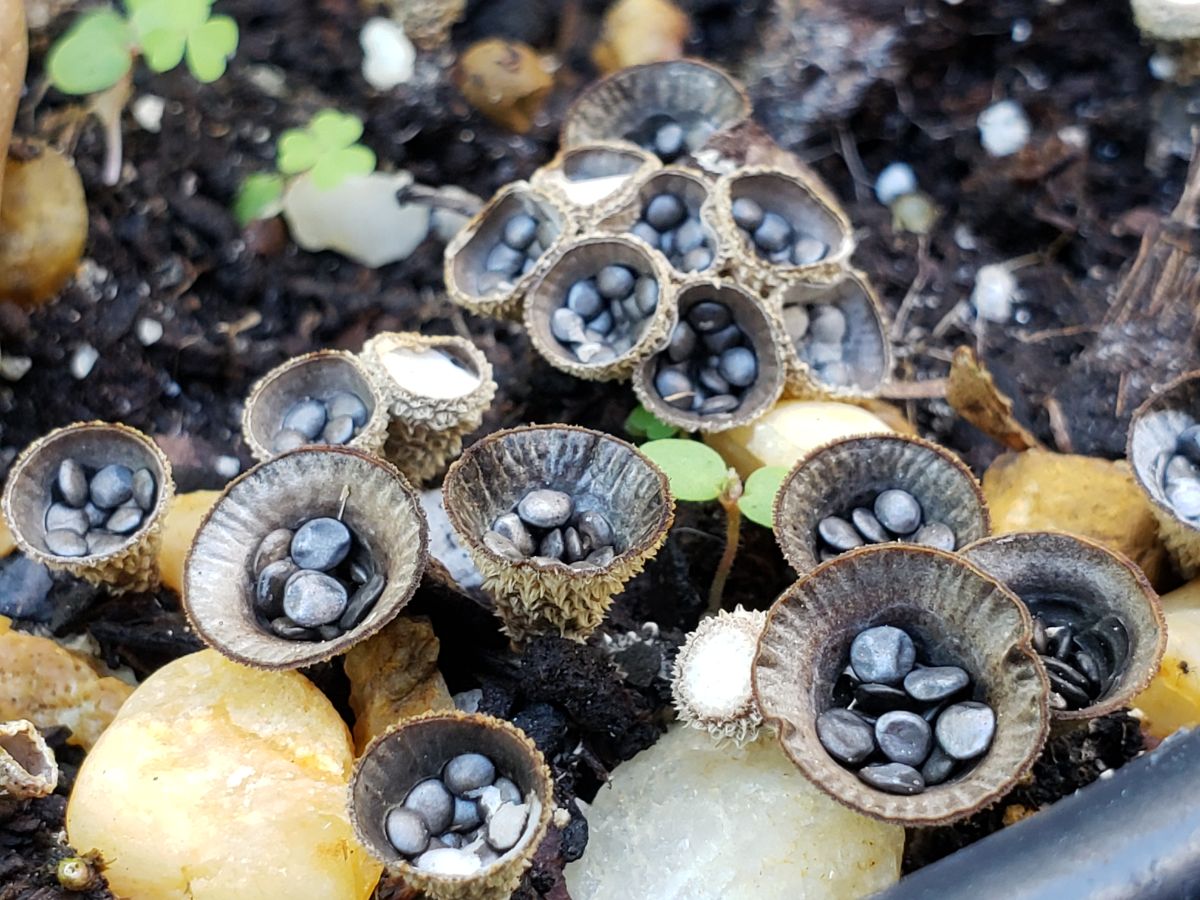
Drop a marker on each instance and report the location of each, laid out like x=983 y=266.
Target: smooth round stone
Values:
x=898 y=511
x=893 y=778
x=696 y=260
x=338 y=431
x=774 y=234
x=808 y=250
x=361 y=602
x=874 y=699
x=124 y=520
x=307 y=417
x=615 y=282
x=965 y=730
x=795 y=321
x=275 y=546
x=583 y=298
x=502 y=546
x=739 y=366
x=688 y=237
x=509 y=792
x=595 y=529
x=709 y=315
x=646 y=232
x=665 y=211
x=311 y=599
x=868 y=526
x=552 y=545
x=320 y=544
x=567 y=325
x=288 y=439
x=1179 y=468
x=602 y=324
x=504 y=260
x=468 y=772
x=505 y=826
x=66 y=543
x=838 y=534
x=938 y=767
x=594 y=353
x=520 y=230
x=935 y=534
x=111 y=486
x=467 y=815
x=682 y=344
x=711 y=380
x=487 y=282
x=1188 y=443
x=645 y=295
x=72 y=482
x=747 y=214
x=95 y=515
x=433 y=803
x=818 y=353
x=510 y=526
x=268 y=587
x=935 y=683
x=406 y=831
x=103 y=543
x=572 y=546
x=845 y=735
x=144 y=489
x=60 y=517
x=344 y=403
x=882 y=654
x=668 y=140
x=674 y=387
x=1184 y=497
x=601 y=556
x=904 y=737
x=720 y=341
x=828 y=324
x=544 y=508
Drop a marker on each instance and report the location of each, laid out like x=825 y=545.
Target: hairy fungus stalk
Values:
x=710 y=684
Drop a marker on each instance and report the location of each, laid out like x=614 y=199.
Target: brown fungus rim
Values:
x=1119 y=699
x=802 y=560
x=47 y=444
x=908 y=810
x=1164 y=399
x=542 y=784
x=308 y=653
x=453 y=483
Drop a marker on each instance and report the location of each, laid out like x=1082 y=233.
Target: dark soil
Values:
x=163 y=245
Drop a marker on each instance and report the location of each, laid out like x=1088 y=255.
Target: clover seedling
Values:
x=328 y=148
x=758 y=498
x=641 y=425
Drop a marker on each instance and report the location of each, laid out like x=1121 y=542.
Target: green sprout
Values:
x=98 y=50
x=258 y=198
x=328 y=148
x=698 y=474
x=642 y=425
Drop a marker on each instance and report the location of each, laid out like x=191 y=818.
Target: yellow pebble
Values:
x=640 y=31
x=179 y=528
x=1173 y=699
x=221 y=782
x=504 y=80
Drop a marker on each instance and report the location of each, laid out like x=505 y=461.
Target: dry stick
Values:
x=924 y=270
x=731 y=492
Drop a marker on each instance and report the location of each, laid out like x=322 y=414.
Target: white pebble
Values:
x=388 y=54
x=149 y=331
x=1163 y=67
x=13 y=368
x=448 y=861
x=896 y=180
x=148 y=112
x=429 y=373
x=1003 y=128
x=994 y=292
x=505 y=826
x=82 y=361
x=227 y=466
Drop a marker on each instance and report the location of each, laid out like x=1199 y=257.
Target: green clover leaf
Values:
x=327 y=148
x=757 y=502
x=94 y=54
x=695 y=470
x=210 y=46
x=258 y=198
x=174 y=30
x=641 y=424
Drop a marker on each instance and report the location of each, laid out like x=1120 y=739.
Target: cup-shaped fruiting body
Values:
x=125 y=559
x=1104 y=618
x=704 y=379
x=958 y=616
x=364 y=492
x=28 y=768
x=496 y=256
x=835 y=338
x=318 y=392
x=604 y=304
x=600 y=474
x=417 y=750
x=1164 y=451
x=869 y=484
x=710 y=682
x=669 y=108
x=778 y=226
x=594 y=180
x=437 y=388
x=670 y=212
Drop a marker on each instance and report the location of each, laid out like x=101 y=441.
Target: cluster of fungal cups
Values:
x=696 y=216
x=95 y=510
x=546 y=528
x=314 y=582
x=901 y=725
x=460 y=821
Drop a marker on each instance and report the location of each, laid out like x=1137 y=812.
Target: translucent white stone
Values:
x=388 y=54
x=994 y=292
x=429 y=373
x=688 y=820
x=896 y=180
x=1003 y=128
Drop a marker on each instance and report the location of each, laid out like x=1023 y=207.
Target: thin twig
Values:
x=924 y=270
x=1058 y=425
